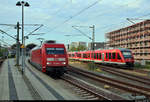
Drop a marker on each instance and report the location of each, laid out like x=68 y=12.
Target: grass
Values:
x=139 y=66
x=89 y=66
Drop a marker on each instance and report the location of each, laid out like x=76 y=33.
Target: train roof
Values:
x=121 y=49
x=36 y=47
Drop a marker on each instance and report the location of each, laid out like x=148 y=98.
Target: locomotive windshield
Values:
x=55 y=50
x=127 y=54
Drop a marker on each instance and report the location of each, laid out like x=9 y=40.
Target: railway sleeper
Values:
x=96 y=98
x=91 y=96
x=84 y=95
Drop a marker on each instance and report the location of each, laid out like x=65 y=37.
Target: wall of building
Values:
x=135 y=37
x=97 y=45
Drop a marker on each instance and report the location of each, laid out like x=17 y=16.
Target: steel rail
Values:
x=116 y=83
x=93 y=91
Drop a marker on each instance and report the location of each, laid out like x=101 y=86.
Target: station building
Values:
x=135 y=37
x=97 y=45
x=76 y=44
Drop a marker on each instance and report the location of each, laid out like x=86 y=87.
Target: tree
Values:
x=13 y=46
x=73 y=49
x=79 y=48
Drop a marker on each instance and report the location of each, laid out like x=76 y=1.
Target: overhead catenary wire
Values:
x=78 y=13
x=5 y=42
x=3 y=32
x=35 y=30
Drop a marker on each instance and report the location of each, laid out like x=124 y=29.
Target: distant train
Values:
x=50 y=57
x=120 y=56
x=12 y=53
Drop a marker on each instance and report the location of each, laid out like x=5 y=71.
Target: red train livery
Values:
x=120 y=56
x=50 y=57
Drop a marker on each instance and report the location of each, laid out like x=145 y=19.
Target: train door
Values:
x=118 y=57
x=113 y=59
x=103 y=57
x=107 y=57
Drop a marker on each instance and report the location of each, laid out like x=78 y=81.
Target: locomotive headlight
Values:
x=61 y=59
x=48 y=63
x=63 y=62
x=50 y=59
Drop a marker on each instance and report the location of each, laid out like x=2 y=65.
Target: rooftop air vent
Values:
x=50 y=41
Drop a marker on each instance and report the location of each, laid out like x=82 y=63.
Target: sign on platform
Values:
x=22 y=46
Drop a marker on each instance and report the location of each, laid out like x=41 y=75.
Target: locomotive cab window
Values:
x=127 y=54
x=55 y=50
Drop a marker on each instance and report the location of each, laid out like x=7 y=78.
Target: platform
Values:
x=33 y=85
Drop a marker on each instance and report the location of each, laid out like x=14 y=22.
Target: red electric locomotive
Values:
x=50 y=57
x=120 y=56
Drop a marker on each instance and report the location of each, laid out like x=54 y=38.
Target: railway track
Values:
x=113 y=82
x=87 y=91
x=90 y=92
x=141 y=71
x=141 y=79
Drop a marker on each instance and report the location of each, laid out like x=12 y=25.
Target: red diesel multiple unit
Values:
x=120 y=56
x=50 y=57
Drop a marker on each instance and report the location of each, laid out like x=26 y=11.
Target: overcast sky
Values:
x=58 y=17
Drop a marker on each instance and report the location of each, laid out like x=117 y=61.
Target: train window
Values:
x=84 y=55
x=127 y=54
x=106 y=55
x=118 y=56
x=72 y=55
x=109 y=55
x=91 y=55
x=55 y=50
x=94 y=55
x=97 y=56
x=88 y=55
x=78 y=55
x=113 y=55
x=100 y=56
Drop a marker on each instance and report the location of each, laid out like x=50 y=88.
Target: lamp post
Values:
x=22 y=3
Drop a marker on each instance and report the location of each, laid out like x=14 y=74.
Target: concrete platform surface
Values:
x=33 y=85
